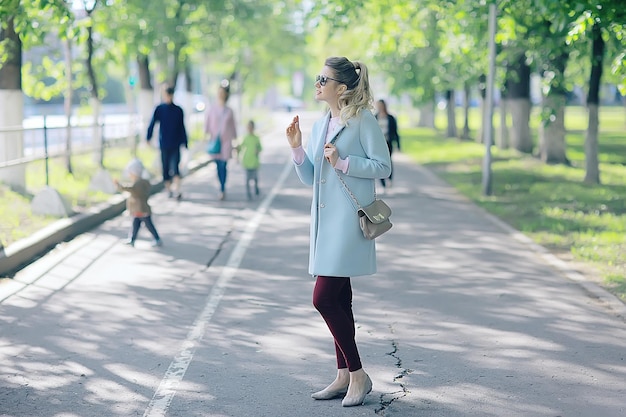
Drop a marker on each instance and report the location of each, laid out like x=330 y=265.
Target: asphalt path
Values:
x=464 y=318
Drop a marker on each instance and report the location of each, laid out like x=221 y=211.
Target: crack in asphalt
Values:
x=220 y=247
x=386 y=399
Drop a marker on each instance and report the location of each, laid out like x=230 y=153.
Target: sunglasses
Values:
x=323 y=79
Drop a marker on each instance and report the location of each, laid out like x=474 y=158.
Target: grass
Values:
x=550 y=203
x=16 y=218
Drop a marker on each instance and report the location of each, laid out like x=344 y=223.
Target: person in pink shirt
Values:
x=220 y=125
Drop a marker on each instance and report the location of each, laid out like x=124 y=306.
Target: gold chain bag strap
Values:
x=374 y=218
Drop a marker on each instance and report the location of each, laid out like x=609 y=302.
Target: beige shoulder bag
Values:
x=374 y=218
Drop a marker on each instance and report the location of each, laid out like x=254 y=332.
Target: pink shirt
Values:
x=341 y=164
x=220 y=120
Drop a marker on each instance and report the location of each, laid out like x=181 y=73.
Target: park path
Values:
x=463 y=318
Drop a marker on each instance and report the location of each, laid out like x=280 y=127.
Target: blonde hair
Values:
x=354 y=75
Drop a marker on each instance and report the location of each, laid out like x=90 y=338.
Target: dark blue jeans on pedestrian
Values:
x=170 y=159
x=221 y=173
x=149 y=225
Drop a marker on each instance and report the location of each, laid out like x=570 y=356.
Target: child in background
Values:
x=137 y=203
x=249 y=151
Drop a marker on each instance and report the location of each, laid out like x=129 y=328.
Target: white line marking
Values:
x=175 y=373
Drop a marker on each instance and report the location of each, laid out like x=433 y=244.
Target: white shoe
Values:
x=326 y=394
x=358 y=398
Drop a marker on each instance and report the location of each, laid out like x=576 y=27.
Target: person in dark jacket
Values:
x=172 y=135
x=389 y=126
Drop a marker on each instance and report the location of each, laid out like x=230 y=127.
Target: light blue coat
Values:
x=337 y=246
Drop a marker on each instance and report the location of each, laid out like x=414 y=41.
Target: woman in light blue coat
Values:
x=346 y=142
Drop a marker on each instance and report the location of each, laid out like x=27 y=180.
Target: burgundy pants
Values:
x=332 y=297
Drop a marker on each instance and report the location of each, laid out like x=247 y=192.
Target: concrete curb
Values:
x=595 y=290
x=26 y=250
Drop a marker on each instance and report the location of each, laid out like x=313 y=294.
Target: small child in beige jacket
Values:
x=137 y=203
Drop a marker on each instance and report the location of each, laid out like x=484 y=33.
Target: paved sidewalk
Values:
x=463 y=318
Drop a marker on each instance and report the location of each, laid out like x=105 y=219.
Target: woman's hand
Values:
x=294 y=134
x=331 y=154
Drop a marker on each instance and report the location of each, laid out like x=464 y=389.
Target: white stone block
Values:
x=102 y=181
x=48 y=202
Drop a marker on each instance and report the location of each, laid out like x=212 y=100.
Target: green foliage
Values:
x=423 y=46
x=245 y=37
x=611 y=17
x=175 y=33
x=17 y=220
x=43 y=81
x=34 y=20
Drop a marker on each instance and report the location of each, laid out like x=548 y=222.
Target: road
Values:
x=463 y=318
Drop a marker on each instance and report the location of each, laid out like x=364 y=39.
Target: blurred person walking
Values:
x=137 y=203
x=389 y=127
x=248 y=151
x=220 y=127
x=172 y=135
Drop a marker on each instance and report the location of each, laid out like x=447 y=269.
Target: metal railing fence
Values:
x=55 y=139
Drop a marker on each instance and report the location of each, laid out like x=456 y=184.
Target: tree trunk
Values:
x=552 y=131
x=11 y=69
x=145 y=100
x=592 y=166
x=97 y=132
x=12 y=143
x=502 y=139
x=93 y=82
x=451 y=131
x=178 y=64
x=184 y=95
x=94 y=99
x=177 y=67
x=189 y=91
x=143 y=69
x=466 y=106
x=427 y=115
x=518 y=93
x=67 y=103
x=592 y=169
x=133 y=122
x=482 y=88
x=188 y=78
x=519 y=134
